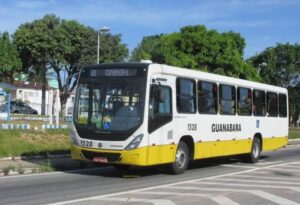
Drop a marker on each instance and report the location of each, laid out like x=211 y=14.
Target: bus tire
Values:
x=181 y=159
x=254 y=155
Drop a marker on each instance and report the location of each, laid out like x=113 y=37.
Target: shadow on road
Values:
x=137 y=172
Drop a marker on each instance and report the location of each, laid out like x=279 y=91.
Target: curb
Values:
x=14 y=126
x=48 y=126
x=27 y=127
x=294 y=141
x=57 y=156
x=25 y=118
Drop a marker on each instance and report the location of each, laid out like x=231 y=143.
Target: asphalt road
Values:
x=274 y=180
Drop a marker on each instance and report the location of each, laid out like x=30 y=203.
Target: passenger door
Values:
x=160 y=129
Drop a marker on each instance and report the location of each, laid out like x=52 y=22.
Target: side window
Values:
x=186 y=95
x=244 y=101
x=282 y=105
x=207 y=97
x=227 y=99
x=272 y=104
x=160 y=107
x=259 y=103
x=160 y=101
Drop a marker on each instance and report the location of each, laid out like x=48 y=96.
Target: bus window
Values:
x=282 y=105
x=259 y=103
x=227 y=99
x=207 y=97
x=186 y=95
x=272 y=104
x=83 y=105
x=160 y=107
x=244 y=101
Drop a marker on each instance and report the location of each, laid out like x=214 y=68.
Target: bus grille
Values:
x=111 y=157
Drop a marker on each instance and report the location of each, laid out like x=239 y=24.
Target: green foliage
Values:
x=10 y=62
x=64 y=45
x=20 y=169
x=7 y=169
x=294 y=133
x=279 y=65
x=196 y=47
x=26 y=142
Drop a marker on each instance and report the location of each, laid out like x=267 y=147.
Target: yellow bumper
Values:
x=144 y=156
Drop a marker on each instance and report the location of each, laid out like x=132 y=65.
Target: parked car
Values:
x=20 y=108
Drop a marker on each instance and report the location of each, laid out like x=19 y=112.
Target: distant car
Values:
x=20 y=108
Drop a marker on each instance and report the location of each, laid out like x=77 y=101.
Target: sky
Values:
x=262 y=23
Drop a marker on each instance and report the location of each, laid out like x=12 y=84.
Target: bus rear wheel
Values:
x=254 y=155
x=181 y=159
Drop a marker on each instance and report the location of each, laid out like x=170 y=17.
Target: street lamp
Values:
x=260 y=66
x=103 y=29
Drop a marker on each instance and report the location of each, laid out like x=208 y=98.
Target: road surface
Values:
x=274 y=180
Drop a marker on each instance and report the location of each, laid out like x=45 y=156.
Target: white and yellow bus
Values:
x=146 y=114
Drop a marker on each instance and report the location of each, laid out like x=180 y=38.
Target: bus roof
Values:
x=195 y=74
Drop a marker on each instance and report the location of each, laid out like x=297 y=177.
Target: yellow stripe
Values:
x=221 y=148
x=274 y=143
x=143 y=156
x=163 y=154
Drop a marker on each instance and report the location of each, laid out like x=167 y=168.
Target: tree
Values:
x=10 y=62
x=196 y=47
x=294 y=103
x=280 y=65
x=64 y=45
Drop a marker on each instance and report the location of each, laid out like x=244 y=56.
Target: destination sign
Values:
x=113 y=72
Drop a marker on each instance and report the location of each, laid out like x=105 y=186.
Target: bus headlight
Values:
x=135 y=142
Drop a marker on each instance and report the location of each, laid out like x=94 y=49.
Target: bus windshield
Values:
x=110 y=106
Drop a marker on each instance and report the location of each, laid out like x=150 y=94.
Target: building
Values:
x=32 y=94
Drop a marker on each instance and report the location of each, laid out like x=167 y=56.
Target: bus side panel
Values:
x=222 y=148
x=274 y=143
x=162 y=154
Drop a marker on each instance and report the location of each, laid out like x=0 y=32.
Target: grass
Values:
x=294 y=133
x=28 y=142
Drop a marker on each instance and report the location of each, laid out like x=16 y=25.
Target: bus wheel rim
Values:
x=180 y=158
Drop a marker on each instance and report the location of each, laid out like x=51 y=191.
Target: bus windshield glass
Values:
x=110 y=106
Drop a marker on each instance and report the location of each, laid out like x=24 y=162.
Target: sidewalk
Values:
x=294 y=141
x=29 y=166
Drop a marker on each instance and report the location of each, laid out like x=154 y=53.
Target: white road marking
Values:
x=258 y=172
x=249 y=185
x=266 y=177
x=284 y=169
x=140 y=200
x=238 y=166
x=176 y=183
x=258 y=181
x=263 y=162
x=222 y=200
x=262 y=194
x=293 y=166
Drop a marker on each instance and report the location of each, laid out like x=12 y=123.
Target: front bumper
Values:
x=136 y=157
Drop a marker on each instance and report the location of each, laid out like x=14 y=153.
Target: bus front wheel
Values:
x=255 y=151
x=181 y=159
